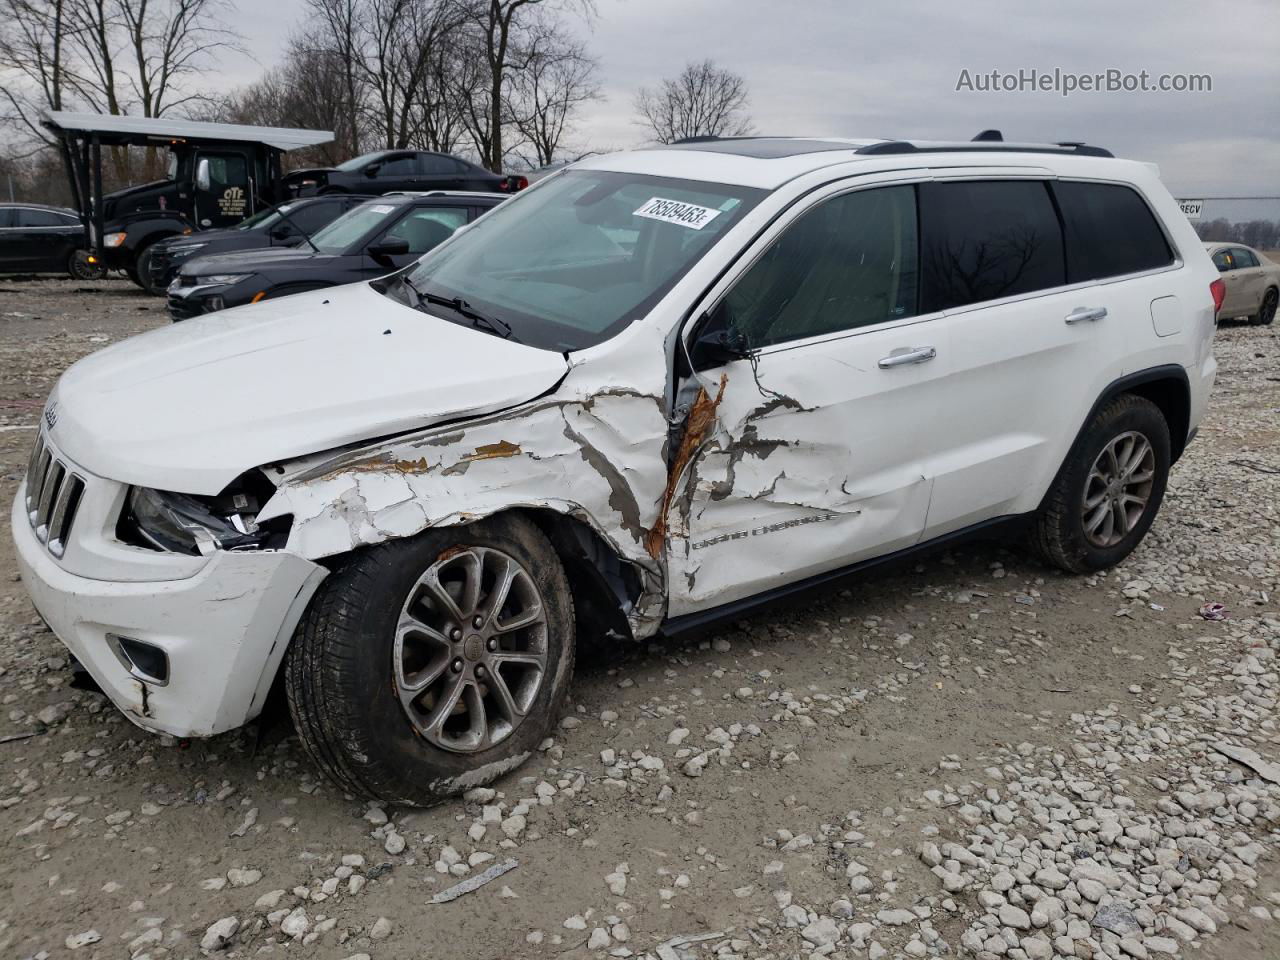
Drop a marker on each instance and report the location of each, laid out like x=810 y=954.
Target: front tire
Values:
x=79 y=267
x=142 y=269
x=1107 y=494
x=427 y=666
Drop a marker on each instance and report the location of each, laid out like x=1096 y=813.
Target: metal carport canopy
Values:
x=112 y=130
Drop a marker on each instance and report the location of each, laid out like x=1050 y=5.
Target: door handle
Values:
x=904 y=355
x=1080 y=314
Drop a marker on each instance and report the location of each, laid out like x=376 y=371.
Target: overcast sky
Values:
x=847 y=68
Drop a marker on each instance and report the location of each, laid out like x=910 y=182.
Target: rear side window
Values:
x=28 y=217
x=436 y=165
x=1243 y=258
x=1110 y=231
x=986 y=239
x=8 y=217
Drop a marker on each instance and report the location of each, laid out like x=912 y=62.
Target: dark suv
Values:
x=388 y=171
x=376 y=237
x=284 y=225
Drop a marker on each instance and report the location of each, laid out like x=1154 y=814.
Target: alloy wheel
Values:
x=1118 y=489
x=470 y=651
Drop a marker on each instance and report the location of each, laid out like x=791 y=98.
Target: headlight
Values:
x=221 y=279
x=113 y=239
x=185 y=249
x=199 y=526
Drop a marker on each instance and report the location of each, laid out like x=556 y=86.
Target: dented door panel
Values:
x=825 y=461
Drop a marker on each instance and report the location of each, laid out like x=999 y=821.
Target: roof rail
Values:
x=983 y=146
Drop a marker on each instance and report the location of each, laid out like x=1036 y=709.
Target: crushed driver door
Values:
x=812 y=451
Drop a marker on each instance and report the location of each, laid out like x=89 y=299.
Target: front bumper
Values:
x=185 y=302
x=224 y=630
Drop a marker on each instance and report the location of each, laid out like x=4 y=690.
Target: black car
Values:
x=284 y=225
x=38 y=239
x=388 y=171
x=375 y=238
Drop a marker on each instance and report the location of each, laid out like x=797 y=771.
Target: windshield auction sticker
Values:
x=673 y=211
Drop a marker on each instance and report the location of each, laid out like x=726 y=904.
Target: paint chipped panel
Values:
x=592 y=453
x=782 y=490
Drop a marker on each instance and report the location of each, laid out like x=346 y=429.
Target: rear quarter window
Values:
x=1109 y=230
x=987 y=239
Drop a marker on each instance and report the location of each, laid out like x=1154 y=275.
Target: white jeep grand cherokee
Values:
x=657 y=388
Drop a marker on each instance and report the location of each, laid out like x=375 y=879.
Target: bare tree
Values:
x=705 y=100
x=556 y=77
x=500 y=24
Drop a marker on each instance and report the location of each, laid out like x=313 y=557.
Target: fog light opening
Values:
x=144 y=661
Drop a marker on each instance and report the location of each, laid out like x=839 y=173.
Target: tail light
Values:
x=513 y=183
x=1218 y=289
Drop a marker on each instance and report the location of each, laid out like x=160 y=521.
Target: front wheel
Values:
x=142 y=269
x=1107 y=494
x=427 y=666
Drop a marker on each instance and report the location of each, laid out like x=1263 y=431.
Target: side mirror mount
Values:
x=389 y=247
x=202 y=174
x=282 y=233
x=371 y=170
x=717 y=346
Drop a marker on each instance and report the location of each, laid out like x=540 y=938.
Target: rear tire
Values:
x=79 y=267
x=392 y=677
x=1266 y=314
x=1108 y=491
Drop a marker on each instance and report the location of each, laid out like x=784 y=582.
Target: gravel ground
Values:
x=969 y=755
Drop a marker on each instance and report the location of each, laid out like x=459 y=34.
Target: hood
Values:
x=189 y=407
x=250 y=261
x=144 y=196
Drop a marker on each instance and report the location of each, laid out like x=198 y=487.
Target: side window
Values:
x=1223 y=261
x=849 y=262
x=399 y=167
x=426 y=227
x=1244 y=258
x=28 y=217
x=226 y=170
x=433 y=165
x=8 y=217
x=986 y=239
x=1110 y=231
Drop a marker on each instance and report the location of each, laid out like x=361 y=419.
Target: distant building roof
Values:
x=142 y=130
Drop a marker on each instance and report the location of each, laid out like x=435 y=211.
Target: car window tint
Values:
x=399 y=167
x=986 y=239
x=848 y=262
x=28 y=217
x=1110 y=231
x=1222 y=260
x=1244 y=258
x=427 y=227
x=434 y=165
x=312 y=216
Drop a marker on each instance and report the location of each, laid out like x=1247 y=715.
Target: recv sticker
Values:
x=673 y=211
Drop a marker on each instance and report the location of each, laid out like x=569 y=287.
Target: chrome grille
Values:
x=53 y=495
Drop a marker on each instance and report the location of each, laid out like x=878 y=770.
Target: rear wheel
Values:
x=1266 y=314
x=79 y=267
x=427 y=666
x=1107 y=494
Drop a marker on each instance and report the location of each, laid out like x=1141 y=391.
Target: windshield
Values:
x=571 y=263
x=357 y=163
x=351 y=226
x=264 y=218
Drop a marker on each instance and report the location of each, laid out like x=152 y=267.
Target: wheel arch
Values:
x=1168 y=387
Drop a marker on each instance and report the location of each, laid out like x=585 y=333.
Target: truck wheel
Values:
x=142 y=268
x=427 y=666
x=1107 y=494
x=79 y=267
